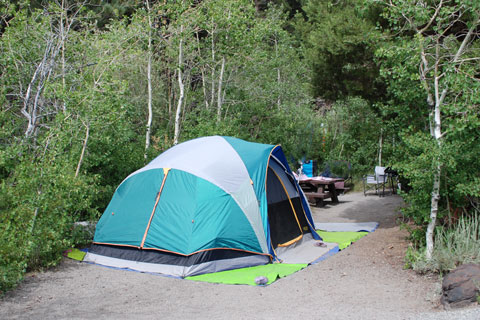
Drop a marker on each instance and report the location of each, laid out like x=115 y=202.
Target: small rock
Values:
x=261 y=280
x=461 y=286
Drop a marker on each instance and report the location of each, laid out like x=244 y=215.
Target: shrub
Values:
x=453 y=247
x=13 y=253
x=39 y=203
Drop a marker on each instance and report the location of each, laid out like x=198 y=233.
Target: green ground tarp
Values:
x=247 y=275
x=277 y=270
x=75 y=254
x=344 y=239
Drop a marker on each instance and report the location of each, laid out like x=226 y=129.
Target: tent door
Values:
x=285 y=212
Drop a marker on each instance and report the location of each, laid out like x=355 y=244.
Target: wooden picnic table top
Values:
x=319 y=184
x=320 y=180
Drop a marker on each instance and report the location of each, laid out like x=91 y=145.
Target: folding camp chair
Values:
x=377 y=181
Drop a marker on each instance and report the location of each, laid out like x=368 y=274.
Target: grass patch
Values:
x=453 y=247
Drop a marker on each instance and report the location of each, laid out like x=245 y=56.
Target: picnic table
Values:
x=317 y=189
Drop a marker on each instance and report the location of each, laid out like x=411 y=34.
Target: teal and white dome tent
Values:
x=205 y=205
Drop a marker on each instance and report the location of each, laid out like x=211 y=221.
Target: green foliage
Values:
x=340 y=169
x=40 y=201
x=107 y=11
x=420 y=75
x=265 y=97
x=411 y=255
x=82 y=233
x=59 y=174
x=340 y=42
x=453 y=247
x=416 y=234
x=351 y=133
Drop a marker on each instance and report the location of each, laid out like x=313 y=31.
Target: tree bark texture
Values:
x=212 y=95
x=202 y=70
x=32 y=102
x=219 y=94
x=437 y=133
x=82 y=154
x=149 y=82
x=181 y=89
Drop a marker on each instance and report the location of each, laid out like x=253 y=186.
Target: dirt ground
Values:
x=364 y=281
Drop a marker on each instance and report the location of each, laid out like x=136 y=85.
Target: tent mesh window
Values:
x=285 y=223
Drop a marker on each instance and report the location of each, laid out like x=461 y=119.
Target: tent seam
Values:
x=166 y=170
x=182 y=254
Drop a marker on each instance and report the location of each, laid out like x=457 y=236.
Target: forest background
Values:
x=92 y=90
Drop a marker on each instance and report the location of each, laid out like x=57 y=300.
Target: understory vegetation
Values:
x=90 y=92
x=453 y=247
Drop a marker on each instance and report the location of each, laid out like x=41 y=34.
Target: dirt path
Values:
x=364 y=281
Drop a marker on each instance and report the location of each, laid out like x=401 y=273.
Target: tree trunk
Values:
x=380 y=147
x=181 y=89
x=437 y=134
x=82 y=154
x=219 y=94
x=202 y=70
x=62 y=35
x=212 y=96
x=170 y=100
x=278 y=76
x=33 y=107
x=149 y=81
x=42 y=73
x=433 y=212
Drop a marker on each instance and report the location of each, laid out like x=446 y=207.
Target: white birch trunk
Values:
x=181 y=89
x=219 y=94
x=433 y=212
x=62 y=32
x=149 y=81
x=436 y=178
x=380 y=148
x=30 y=111
x=82 y=154
x=212 y=95
x=437 y=134
x=278 y=76
x=33 y=108
x=36 y=85
x=202 y=70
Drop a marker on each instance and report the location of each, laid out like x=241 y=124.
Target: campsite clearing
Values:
x=364 y=281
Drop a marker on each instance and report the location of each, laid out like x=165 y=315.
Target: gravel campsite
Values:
x=239 y=159
x=364 y=281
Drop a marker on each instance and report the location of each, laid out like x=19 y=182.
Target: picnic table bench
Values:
x=340 y=187
x=317 y=198
x=318 y=189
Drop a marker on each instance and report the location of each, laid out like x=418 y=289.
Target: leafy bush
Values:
x=336 y=169
x=453 y=247
x=40 y=202
x=352 y=134
x=13 y=247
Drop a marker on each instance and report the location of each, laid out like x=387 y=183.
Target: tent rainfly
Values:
x=205 y=205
